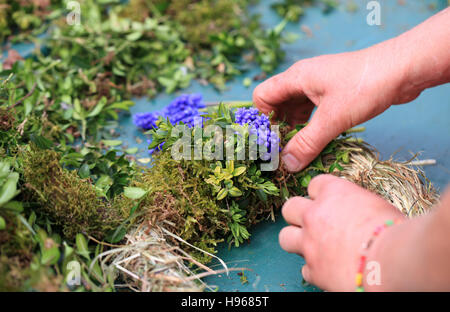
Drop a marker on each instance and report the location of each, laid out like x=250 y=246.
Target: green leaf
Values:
x=317 y=163
x=68 y=251
x=238 y=171
x=97 y=109
x=125 y=105
x=247 y=82
x=8 y=191
x=285 y=193
x=84 y=171
x=112 y=142
x=335 y=165
x=13 y=205
x=144 y=160
x=41 y=142
x=134 y=36
x=132 y=150
x=4 y=169
x=82 y=246
x=2 y=223
x=117 y=235
x=50 y=256
x=345 y=157
x=235 y=192
x=222 y=194
x=134 y=192
x=305 y=180
x=262 y=195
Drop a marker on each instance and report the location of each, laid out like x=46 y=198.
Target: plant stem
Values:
x=232 y=104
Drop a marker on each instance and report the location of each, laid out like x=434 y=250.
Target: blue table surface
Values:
x=421 y=126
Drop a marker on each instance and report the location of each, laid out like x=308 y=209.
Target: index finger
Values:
x=278 y=89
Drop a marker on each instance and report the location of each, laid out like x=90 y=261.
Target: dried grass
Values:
x=403 y=185
x=149 y=262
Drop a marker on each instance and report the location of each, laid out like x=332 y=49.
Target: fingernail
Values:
x=291 y=162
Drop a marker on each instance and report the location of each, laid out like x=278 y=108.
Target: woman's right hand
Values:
x=347 y=89
x=351 y=88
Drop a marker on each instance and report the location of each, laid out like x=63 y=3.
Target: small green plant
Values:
x=292 y=10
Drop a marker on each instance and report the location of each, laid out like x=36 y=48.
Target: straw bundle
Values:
x=149 y=262
x=403 y=186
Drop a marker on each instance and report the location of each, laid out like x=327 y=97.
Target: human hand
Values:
x=329 y=229
x=347 y=89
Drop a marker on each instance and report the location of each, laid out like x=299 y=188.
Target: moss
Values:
x=179 y=196
x=207 y=17
x=197 y=17
x=66 y=199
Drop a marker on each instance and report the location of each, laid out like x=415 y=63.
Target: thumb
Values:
x=310 y=141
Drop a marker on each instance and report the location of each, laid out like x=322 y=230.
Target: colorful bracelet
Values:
x=363 y=258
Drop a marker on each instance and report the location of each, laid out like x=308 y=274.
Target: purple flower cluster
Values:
x=146 y=121
x=259 y=126
x=185 y=108
x=182 y=109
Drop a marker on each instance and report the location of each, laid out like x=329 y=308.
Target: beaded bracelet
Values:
x=363 y=258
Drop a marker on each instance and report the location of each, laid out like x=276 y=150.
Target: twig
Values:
x=21 y=127
x=25 y=97
x=424 y=162
x=104 y=243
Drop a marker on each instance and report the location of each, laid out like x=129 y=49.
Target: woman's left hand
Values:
x=330 y=228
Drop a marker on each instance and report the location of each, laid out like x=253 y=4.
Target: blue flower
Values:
x=182 y=109
x=259 y=125
x=146 y=120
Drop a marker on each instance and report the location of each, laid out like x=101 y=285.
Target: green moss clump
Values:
x=66 y=199
x=179 y=196
x=207 y=17
x=179 y=199
x=201 y=20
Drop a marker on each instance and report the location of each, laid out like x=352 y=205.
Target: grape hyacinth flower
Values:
x=182 y=109
x=259 y=125
x=146 y=121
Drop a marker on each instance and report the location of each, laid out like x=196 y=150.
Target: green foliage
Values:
x=237 y=225
x=33 y=259
x=67 y=200
x=25 y=16
x=130 y=56
x=108 y=172
x=48 y=97
x=292 y=10
x=213 y=40
x=8 y=186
